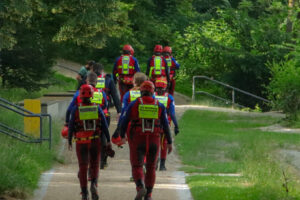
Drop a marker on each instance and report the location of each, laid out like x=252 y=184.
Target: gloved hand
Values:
x=109 y=151
x=176 y=130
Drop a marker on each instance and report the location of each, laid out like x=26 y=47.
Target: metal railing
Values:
x=227 y=86
x=19 y=135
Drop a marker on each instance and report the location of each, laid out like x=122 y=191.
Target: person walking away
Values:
x=82 y=74
x=86 y=125
x=167 y=100
x=173 y=66
x=130 y=96
x=100 y=98
x=105 y=83
x=146 y=117
x=91 y=79
x=157 y=65
x=124 y=68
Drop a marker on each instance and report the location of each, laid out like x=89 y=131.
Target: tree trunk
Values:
x=289 y=23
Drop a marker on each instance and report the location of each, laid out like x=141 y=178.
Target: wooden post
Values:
x=32 y=124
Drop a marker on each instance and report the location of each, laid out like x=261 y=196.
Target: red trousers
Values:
x=172 y=86
x=123 y=88
x=163 y=147
x=88 y=154
x=138 y=151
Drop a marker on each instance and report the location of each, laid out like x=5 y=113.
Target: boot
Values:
x=148 y=194
x=141 y=190
x=162 y=166
x=84 y=194
x=93 y=190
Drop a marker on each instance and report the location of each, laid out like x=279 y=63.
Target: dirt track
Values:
x=62 y=183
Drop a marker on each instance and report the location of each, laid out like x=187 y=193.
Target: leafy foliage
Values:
x=230 y=40
x=284 y=87
x=235 y=45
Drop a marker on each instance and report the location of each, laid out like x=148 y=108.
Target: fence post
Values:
x=233 y=98
x=193 y=96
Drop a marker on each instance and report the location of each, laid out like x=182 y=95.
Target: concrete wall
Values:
x=56 y=109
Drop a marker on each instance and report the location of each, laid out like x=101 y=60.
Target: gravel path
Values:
x=62 y=183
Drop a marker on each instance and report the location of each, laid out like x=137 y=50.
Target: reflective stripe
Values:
x=88 y=112
x=169 y=62
x=100 y=83
x=86 y=138
x=130 y=67
x=157 y=65
x=163 y=100
x=97 y=97
x=134 y=94
x=125 y=64
x=148 y=111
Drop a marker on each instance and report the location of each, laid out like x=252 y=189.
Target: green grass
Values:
x=60 y=84
x=230 y=143
x=22 y=163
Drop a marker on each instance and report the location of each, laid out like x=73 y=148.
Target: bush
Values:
x=284 y=88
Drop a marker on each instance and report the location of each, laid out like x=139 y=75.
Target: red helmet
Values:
x=147 y=86
x=64 y=132
x=117 y=141
x=161 y=83
x=128 y=47
x=167 y=49
x=158 y=48
x=86 y=91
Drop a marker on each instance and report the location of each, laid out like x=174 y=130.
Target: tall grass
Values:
x=22 y=163
x=214 y=142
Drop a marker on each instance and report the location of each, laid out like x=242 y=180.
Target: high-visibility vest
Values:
x=148 y=118
x=157 y=67
x=125 y=66
x=100 y=82
x=134 y=94
x=97 y=97
x=163 y=99
x=86 y=120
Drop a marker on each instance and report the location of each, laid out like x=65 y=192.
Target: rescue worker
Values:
x=167 y=100
x=130 y=96
x=91 y=79
x=146 y=117
x=86 y=125
x=105 y=83
x=82 y=74
x=173 y=66
x=157 y=65
x=124 y=68
x=100 y=99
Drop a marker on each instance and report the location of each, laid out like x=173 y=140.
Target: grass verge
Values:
x=231 y=143
x=22 y=163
